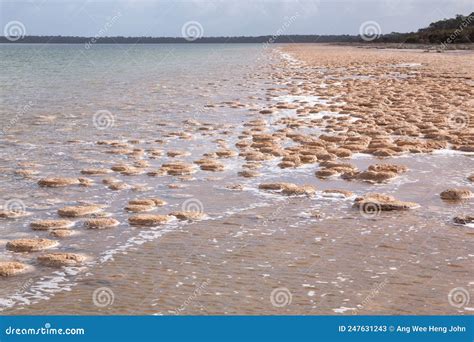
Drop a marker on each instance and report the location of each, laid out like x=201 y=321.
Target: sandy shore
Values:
x=329 y=191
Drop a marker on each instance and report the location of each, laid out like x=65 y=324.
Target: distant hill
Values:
x=458 y=30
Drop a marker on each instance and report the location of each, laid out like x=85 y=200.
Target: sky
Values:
x=171 y=18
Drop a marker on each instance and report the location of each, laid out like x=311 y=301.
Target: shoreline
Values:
x=309 y=132
x=397 y=46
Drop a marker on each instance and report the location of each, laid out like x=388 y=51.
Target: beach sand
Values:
x=322 y=199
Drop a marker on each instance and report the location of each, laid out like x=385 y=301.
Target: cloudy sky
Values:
x=223 y=17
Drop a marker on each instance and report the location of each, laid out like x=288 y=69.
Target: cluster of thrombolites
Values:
x=385 y=108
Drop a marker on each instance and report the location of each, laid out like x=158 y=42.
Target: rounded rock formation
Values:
x=61 y=259
x=11 y=268
x=30 y=245
x=51 y=224
x=79 y=210
x=456 y=194
x=148 y=220
x=101 y=223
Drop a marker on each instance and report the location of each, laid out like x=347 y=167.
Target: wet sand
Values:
x=259 y=212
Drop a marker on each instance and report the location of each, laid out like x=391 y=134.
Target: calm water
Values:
x=251 y=242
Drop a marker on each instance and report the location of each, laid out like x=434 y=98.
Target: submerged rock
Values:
x=468 y=219
x=56 y=182
x=212 y=165
x=51 y=224
x=11 y=268
x=148 y=219
x=138 y=208
x=26 y=173
x=148 y=201
x=235 y=187
x=13 y=214
x=273 y=186
x=383 y=202
x=288 y=189
x=101 y=223
x=61 y=233
x=61 y=259
x=30 y=245
x=117 y=186
x=80 y=210
x=456 y=194
x=375 y=176
x=388 y=168
x=326 y=173
x=248 y=173
x=188 y=215
x=177 y=169
x=294 y=190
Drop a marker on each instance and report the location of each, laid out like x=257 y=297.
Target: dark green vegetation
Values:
x=458 y=30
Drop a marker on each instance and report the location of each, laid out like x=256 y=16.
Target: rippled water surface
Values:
x=57 y=102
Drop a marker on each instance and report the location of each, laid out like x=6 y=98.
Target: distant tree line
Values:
x=459 y=30
x=174 y=40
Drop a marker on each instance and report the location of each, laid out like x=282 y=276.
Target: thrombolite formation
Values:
x=13 y=214
x=101 y=223
x=382 y=202
x=61 y=259
x=467 y=219
x=56 y=182
x=80 y=210
x=177 y=169
x=188 y=215
x=26 y=173
x=148 y=201
x=138 y=208
x=95 y=172
x=456 y=194
x=11 y=268
x=379 y=114
x=30 y=245
x=374 y=176
x=61 y=233
x=288 y=189
x=51 y=224
x=148 y=219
